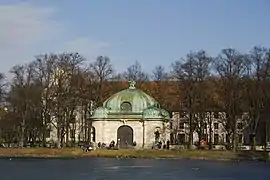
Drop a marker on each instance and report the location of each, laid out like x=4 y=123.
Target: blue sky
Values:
x=151 y=31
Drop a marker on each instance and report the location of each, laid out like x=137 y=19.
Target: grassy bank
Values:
x=129 y=153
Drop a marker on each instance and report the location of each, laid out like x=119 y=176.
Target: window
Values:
x=126 y=106
x=222 y=138
x=72 y=119
x=240 y=138
x=48 y=133
x=228 y=138
x=48 y=120
x=181 y=125
x=72 y=133
x=182 y=114
x=216 y=139
x=181 y=138
x=215 y=125
x=205 y=125
x=216 y=115
x=204 y=137
x=172 y=138
x=239 y=126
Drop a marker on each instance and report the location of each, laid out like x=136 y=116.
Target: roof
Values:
x=136 y=97
x=130 y=102
x=164 y=92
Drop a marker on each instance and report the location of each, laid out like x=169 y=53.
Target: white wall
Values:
x=106 y=131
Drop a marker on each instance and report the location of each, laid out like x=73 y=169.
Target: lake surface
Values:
x=128 y=169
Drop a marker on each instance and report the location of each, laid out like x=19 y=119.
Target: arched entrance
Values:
x=125 y=134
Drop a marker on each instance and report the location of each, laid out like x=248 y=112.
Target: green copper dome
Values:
x=131 y=103
x=155 y=113
x=100 y=112
x=130 y=100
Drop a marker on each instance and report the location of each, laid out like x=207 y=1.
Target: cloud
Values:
x=23 y=24
x=27 y=30
x=88 y=47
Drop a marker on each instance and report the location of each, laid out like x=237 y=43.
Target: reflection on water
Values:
x=128 y=169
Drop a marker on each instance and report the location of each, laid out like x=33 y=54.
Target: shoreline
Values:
x=134 y=154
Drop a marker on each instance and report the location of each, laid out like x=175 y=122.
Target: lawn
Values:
x=132 y=153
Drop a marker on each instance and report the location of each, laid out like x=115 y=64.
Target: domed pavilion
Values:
x=131 y=116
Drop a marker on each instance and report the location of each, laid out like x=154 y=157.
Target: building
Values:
x=212 y=128
x=131 y=116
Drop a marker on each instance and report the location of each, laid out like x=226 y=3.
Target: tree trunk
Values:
x=62 y=137
x=67 y=135
x=266 y=136
x=234 y=139
x=44 y=128
x=85 y=124
x=22 y=132
x=58 y=138
x=190 y=137
x=253 y=142
x=210 y=142
x=43 y=136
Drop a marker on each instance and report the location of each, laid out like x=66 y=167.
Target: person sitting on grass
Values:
x=112 y=145
x=87 y=147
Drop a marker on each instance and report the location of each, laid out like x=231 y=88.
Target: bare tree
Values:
x=117 y=77
x=20 y=94
x=2 y=94
x=202 y=74
x=45 y=66
x=192 y=73
x=135 y=73
x=66 y=94
x=184 y=73
x=87 y=94
x=160 y=84
x=159 y=73
x=103 y=71
x=256 y=87
x=2 y=87
x=230 y=66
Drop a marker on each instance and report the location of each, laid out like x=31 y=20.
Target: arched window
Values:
x=126 y=106
x=93 y=134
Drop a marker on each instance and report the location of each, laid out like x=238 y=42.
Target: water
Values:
x=128 y=169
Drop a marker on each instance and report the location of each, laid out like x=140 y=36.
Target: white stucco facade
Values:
x=143 y=131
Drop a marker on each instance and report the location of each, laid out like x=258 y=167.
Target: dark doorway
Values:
x=125 y=134
x=181 y=138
